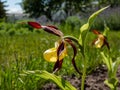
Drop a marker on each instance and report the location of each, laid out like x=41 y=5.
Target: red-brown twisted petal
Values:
x=75 y=52
x=58 y=64
x=52 y=30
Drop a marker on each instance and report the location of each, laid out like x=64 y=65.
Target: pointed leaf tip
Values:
x=35 y=25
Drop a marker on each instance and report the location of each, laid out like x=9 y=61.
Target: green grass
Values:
x=24 y=51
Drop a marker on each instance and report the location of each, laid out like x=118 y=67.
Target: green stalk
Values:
x=85 y=61
x=84 y=75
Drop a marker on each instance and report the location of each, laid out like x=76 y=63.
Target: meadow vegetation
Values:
x=22 y=47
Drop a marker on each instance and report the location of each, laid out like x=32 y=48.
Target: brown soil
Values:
x=94 y=81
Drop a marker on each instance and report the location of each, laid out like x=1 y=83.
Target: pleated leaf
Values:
x=63 y=84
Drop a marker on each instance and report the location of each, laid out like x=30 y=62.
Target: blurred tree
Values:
x=36 y=8
x=2 y=10
x=112 y=3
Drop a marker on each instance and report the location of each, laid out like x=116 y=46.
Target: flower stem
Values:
x=84 y=75
x=84 y=61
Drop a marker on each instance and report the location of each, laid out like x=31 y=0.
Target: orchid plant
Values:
x=112 y=80
x=59 y=51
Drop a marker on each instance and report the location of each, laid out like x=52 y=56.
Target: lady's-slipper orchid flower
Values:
x=57 y=53
x=61 y=53
x=51 y=54
x=100 y=41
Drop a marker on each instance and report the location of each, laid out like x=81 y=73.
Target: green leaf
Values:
x=106 y=29
x=94 y=15
x=63 y=84
x=84 y=27
x=109 y=84
x=107 y=61
x=115 y=66
x=91 y=20
x=112 y=83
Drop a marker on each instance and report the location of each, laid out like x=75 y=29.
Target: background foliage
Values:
x=49 y=7
x=2 y=10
